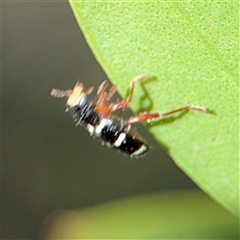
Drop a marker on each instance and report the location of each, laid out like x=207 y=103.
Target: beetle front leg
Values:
x=121 y=105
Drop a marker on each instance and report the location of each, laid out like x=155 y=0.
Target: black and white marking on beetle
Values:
x=98 y=117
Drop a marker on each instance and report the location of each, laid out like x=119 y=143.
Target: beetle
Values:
x=99 y=116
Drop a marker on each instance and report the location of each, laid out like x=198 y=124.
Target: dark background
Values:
x=49 y=164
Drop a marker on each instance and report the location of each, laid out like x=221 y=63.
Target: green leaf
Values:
x=190 y=50
x=182 y=215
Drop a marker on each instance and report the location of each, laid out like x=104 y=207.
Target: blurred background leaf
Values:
x=178 y=215
x=190 y=50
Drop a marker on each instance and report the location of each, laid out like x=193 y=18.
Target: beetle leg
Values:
x=124 y=103
x=149 y=117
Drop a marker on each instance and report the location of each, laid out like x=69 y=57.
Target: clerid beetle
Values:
x=99 y=116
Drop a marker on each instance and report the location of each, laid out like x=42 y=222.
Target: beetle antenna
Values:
x=60 y=93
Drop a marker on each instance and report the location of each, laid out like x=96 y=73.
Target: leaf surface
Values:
x=190 y=50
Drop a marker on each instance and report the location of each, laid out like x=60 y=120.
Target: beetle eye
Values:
x=82 y=101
